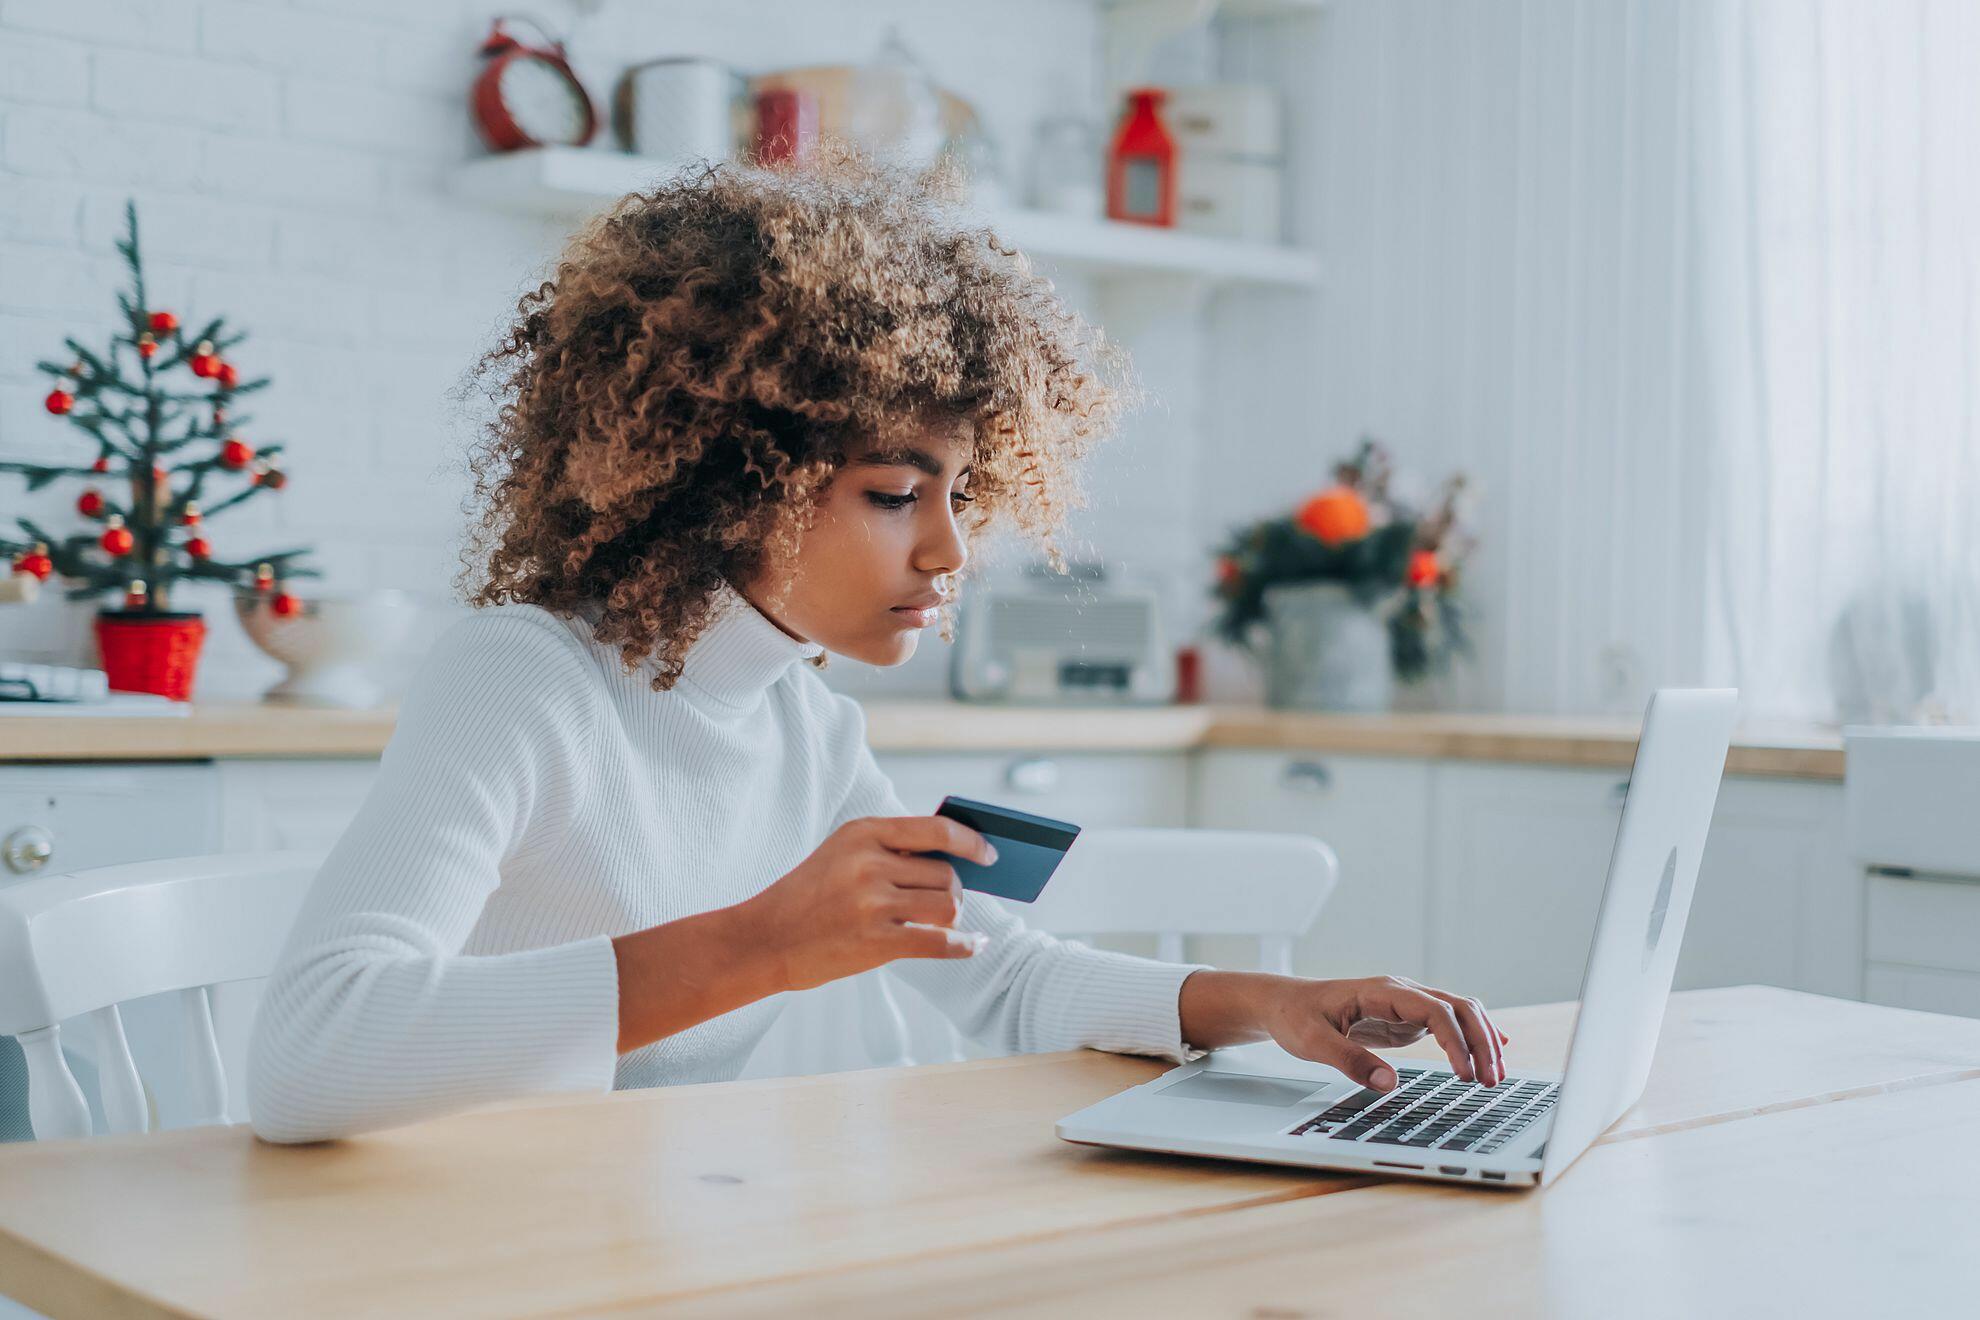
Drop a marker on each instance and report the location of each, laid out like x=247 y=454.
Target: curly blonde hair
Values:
x=674 y=399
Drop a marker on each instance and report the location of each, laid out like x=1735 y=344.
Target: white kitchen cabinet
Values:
x=1089 y=789
x=1778 y=900
x=290 y=804
x=1518 y=856
x=1521 y=854
x=87 y=815
x=1372 y=811
x=1910 y=824
x=1922 y=942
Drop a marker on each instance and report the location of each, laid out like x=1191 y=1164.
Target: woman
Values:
x=755 y=417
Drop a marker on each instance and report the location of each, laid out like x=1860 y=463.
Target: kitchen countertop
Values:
x=245 y=730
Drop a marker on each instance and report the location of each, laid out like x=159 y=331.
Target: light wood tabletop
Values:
x=1792 y=1154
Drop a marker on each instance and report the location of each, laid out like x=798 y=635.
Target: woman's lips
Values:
x=918 y=618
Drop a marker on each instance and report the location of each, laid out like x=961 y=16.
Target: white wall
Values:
x=290 y=165
x=1504 y=221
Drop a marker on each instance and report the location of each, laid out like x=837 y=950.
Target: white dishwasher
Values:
x=69 y=817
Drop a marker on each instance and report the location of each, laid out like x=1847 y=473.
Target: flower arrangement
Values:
x=1404 y=565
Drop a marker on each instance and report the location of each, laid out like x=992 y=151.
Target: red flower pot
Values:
x=146 y=652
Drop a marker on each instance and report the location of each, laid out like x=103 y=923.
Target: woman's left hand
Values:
x=1335 y=1022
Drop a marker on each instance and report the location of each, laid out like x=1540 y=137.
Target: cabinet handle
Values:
x=1307 y=776
x=1619 y=793
x=27 y=849
x=1032 y=774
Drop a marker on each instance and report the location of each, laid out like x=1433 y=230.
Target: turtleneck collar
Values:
x=739 y=653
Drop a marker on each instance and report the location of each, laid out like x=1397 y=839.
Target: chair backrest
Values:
x=1169 y=883
x=87 y=941
x=1173 y=883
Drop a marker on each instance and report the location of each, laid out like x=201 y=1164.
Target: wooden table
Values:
x=1793 y=1155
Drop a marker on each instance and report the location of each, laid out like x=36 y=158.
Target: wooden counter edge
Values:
x=252 y=731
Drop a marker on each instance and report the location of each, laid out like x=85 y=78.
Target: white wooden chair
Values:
x=1169 y=883
x=85 y=942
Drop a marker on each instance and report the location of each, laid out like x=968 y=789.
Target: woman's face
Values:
x=872 y=568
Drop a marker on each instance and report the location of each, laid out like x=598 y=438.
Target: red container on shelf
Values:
x=1141 y=163
x=786 y=126
x=150 y=652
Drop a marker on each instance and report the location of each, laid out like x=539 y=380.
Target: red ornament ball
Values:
x=164 y=323
x=199 y=548
x=147 y=347
x=59 y=401
x=236 y=454
x=275 y=479
x=90 y=503
x=228 y=375
x=35 y=564
x=100 y=465
x=204 y=365
x=285 y=605
x=118 y=541
x=1424 y=569
x=190 y=516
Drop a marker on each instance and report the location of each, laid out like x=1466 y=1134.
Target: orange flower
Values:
x=1424 y=569
x=1335 y=515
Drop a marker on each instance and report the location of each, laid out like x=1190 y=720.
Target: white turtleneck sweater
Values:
x=534 y=802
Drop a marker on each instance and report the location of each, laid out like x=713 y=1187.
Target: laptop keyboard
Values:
x=1437 y=1111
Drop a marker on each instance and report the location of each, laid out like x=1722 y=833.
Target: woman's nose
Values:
x=943 y=551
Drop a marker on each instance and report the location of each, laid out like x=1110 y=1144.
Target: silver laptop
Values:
x=1259 y=1102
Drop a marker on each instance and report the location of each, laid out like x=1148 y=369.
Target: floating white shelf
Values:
x=576 y=181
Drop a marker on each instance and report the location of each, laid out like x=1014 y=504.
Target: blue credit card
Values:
x=1028 y=848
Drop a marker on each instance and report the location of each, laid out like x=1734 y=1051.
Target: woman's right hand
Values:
x=845 y=909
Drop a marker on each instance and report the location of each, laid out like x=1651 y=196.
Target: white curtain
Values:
x=1837 y=240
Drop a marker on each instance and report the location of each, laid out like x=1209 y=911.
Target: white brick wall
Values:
x=290 y=165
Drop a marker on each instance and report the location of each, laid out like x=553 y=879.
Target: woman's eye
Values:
x=889 y=500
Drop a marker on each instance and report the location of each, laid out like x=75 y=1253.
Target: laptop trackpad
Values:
x=1241 y=1088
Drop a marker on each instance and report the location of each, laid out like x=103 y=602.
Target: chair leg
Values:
x=56 y=1107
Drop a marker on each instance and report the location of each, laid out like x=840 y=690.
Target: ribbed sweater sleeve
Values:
x=373 y=1016
x=1025 y=991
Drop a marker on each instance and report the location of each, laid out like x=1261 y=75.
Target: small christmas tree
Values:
x=166 y=443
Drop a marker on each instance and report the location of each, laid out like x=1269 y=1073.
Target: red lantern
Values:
x=1141 y=164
